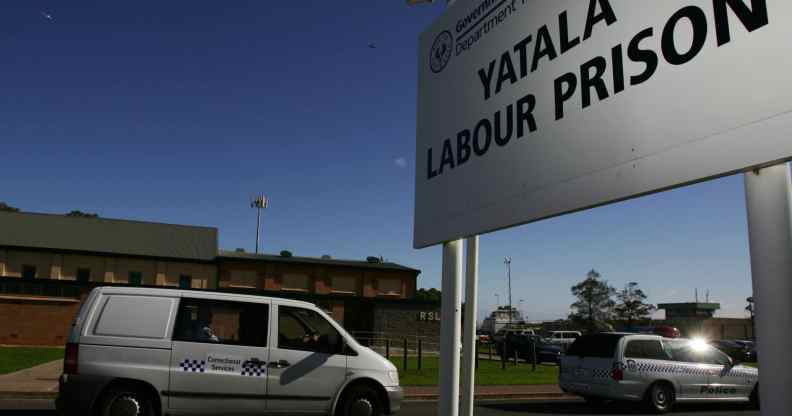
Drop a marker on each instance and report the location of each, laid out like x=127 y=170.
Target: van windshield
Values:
x=596 y=345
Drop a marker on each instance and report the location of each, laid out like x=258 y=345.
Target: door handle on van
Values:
x=279 y=364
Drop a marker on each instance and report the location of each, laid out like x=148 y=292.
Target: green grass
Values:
x=17 y=358
x=489 y=373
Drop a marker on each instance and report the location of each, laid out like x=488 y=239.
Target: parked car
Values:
x=504 y=332
x=563 y=337
x=658 y=371
x=737 y=350
x=545 y=351
x=484 y=337
x=147 y=351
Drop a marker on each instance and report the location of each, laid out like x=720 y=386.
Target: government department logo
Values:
x=441 y=51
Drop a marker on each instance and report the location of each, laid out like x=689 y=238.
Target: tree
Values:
x=430 y=295
x=632 y=306
x=594 y=305
x=7 y=208
x=77 y=213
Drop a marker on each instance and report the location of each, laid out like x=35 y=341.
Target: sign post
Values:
x=469 y=351
x=450 y=310
x=768 y=194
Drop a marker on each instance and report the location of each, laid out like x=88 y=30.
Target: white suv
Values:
x=146 y=352
x=565 y=338
x=659 y=371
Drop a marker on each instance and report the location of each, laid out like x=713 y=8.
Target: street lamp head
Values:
x=259 y=201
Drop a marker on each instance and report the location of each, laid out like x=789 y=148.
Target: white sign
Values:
x=529 y=109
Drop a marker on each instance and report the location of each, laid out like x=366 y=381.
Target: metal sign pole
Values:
x=450 y=326
x=469 y=351
x=768 y=194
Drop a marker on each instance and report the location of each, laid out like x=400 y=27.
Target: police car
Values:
x=658 y=371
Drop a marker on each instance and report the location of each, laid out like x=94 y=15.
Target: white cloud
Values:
x=400 y=162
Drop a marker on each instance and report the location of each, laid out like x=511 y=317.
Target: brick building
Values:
x=49 y=262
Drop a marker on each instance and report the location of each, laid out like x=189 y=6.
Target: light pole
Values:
x=507 y=261
x=258 y=202
x=497 y=299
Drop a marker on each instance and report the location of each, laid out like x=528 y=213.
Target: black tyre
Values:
x=125 y=401
x=660 y=398
x=361 y=401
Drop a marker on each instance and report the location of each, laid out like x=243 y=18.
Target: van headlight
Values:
x=394 y=377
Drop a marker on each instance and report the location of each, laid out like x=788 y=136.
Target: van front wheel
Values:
x=125 y=401
x=361 y=401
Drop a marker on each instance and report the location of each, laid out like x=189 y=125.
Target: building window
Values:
x=28 y=271
x=135 y=278
x=344 y=284
x=243 y=278
x=389 y=286
x=185 y=281
x=83 y=275
x=296 y=282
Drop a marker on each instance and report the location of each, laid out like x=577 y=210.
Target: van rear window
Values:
x=135 y=316
x=596 y=345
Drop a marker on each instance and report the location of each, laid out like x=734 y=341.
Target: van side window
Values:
x=305 y=330
x=222 y=322
x=647 y=349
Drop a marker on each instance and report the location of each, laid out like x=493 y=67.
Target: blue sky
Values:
x=178 y=111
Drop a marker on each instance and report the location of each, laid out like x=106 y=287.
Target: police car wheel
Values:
x=754 y=403
x=362 y=401
x=125 y=401
x=660 y=397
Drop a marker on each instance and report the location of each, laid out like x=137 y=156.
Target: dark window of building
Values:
x=185 y=281
x=135 y=278
x=83 y=275
x=28 y=271
x=222 y=322
x=305 y=330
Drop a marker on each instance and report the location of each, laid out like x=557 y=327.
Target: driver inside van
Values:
x=206 y=333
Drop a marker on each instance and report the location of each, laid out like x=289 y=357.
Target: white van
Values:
x=146 y=352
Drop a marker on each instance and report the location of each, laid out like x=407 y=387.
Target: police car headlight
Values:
x=394 y=377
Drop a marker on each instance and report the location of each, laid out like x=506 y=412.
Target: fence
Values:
x=417 y=348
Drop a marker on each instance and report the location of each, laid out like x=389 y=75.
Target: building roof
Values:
x=690 y=306
x=314 y=260
x=110 y=236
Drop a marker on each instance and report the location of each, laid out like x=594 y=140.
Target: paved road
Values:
x=484 y=408
x=571 y=408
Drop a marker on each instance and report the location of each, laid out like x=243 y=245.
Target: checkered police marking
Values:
x=252 y=369
x=195 y=366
